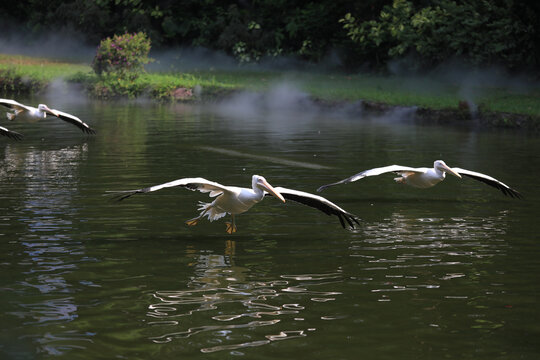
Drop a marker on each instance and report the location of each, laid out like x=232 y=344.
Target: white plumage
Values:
x=41 y=113
x=427 y=177
x=236 y=200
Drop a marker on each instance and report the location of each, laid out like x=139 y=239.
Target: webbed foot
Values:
x=231 y=228
x=192 y=222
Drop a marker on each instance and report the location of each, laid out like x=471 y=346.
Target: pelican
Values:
x=236 y=200
x=427 y=177
x=10 y=134
x=41 y=112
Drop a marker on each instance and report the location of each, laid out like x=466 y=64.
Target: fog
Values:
x=281 y=98
x=61 y=95
x=468 y=81
x=284 y=109
x=55 y=45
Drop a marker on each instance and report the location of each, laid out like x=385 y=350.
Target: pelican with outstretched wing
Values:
x=10 y=134
x=236 y=200
x=41 y=112
x=427 y=177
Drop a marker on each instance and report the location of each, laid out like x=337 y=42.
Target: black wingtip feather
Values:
x=340 y=217
x=507 y=191
x=352 y=218
x=15 y=135
x=349 y=221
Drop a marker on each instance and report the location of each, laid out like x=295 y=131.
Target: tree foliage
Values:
x=482 y=32
x=370 y=31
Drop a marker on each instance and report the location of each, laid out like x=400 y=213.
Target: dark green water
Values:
x=445 y=273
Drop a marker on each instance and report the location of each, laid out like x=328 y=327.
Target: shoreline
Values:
x=32 y=76
x=464 y=116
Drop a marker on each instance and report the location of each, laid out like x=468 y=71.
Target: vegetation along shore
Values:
x=436 y=100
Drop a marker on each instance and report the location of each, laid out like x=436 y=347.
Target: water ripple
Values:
x=401 y=250
x=44 y=213
x=267 y=302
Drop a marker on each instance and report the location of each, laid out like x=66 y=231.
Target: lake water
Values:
x=444 y=273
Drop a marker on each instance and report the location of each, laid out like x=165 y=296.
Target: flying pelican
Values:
x=427 y=177
x=236 y=200
x=10 y=134
x=41 y=112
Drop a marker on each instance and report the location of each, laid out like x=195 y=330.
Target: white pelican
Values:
x=236 y=200
x=10 y=134
x=427 y=177
x=41 y=112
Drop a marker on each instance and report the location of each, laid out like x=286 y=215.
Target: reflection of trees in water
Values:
x=41 y=202
x=221 y=301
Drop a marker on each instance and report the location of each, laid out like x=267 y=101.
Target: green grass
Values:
x=39 y=68
x=392 y=90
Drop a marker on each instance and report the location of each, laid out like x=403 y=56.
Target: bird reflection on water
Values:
x=224 y=301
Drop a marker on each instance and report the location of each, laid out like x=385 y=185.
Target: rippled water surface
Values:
x=448 y=272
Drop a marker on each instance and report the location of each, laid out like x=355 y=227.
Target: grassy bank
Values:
x=20 y=74
x=23 y=74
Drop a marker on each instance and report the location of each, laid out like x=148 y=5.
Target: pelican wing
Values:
x=72 y=119
x=199 y=184
x=375 y=172
x=10 y=134
x=486 y=179
x=14 y=105
x=318 y=202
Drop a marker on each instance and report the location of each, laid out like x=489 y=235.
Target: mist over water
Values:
x=282 y=97
x=62 y=93
x=471 y=82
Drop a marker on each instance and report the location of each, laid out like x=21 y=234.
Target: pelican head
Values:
x=441 y=166
x=45 y=109
x=261 y=183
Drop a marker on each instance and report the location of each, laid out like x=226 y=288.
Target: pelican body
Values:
x=41 y=113
x=237 y=200
x=427 y=177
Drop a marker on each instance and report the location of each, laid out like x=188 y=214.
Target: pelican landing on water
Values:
x=41 y=113
x=427 y=177
x=236 y=200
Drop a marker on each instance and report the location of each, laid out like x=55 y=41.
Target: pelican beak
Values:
x=270 y=189
x=51 y=111
x=449 y=170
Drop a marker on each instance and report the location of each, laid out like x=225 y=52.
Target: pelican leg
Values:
x=231 y=226
x=195 y=220
x=12 y=116
x=400 y=180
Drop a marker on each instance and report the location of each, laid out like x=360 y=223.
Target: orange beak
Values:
x=270 y=189
x=450 y=171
